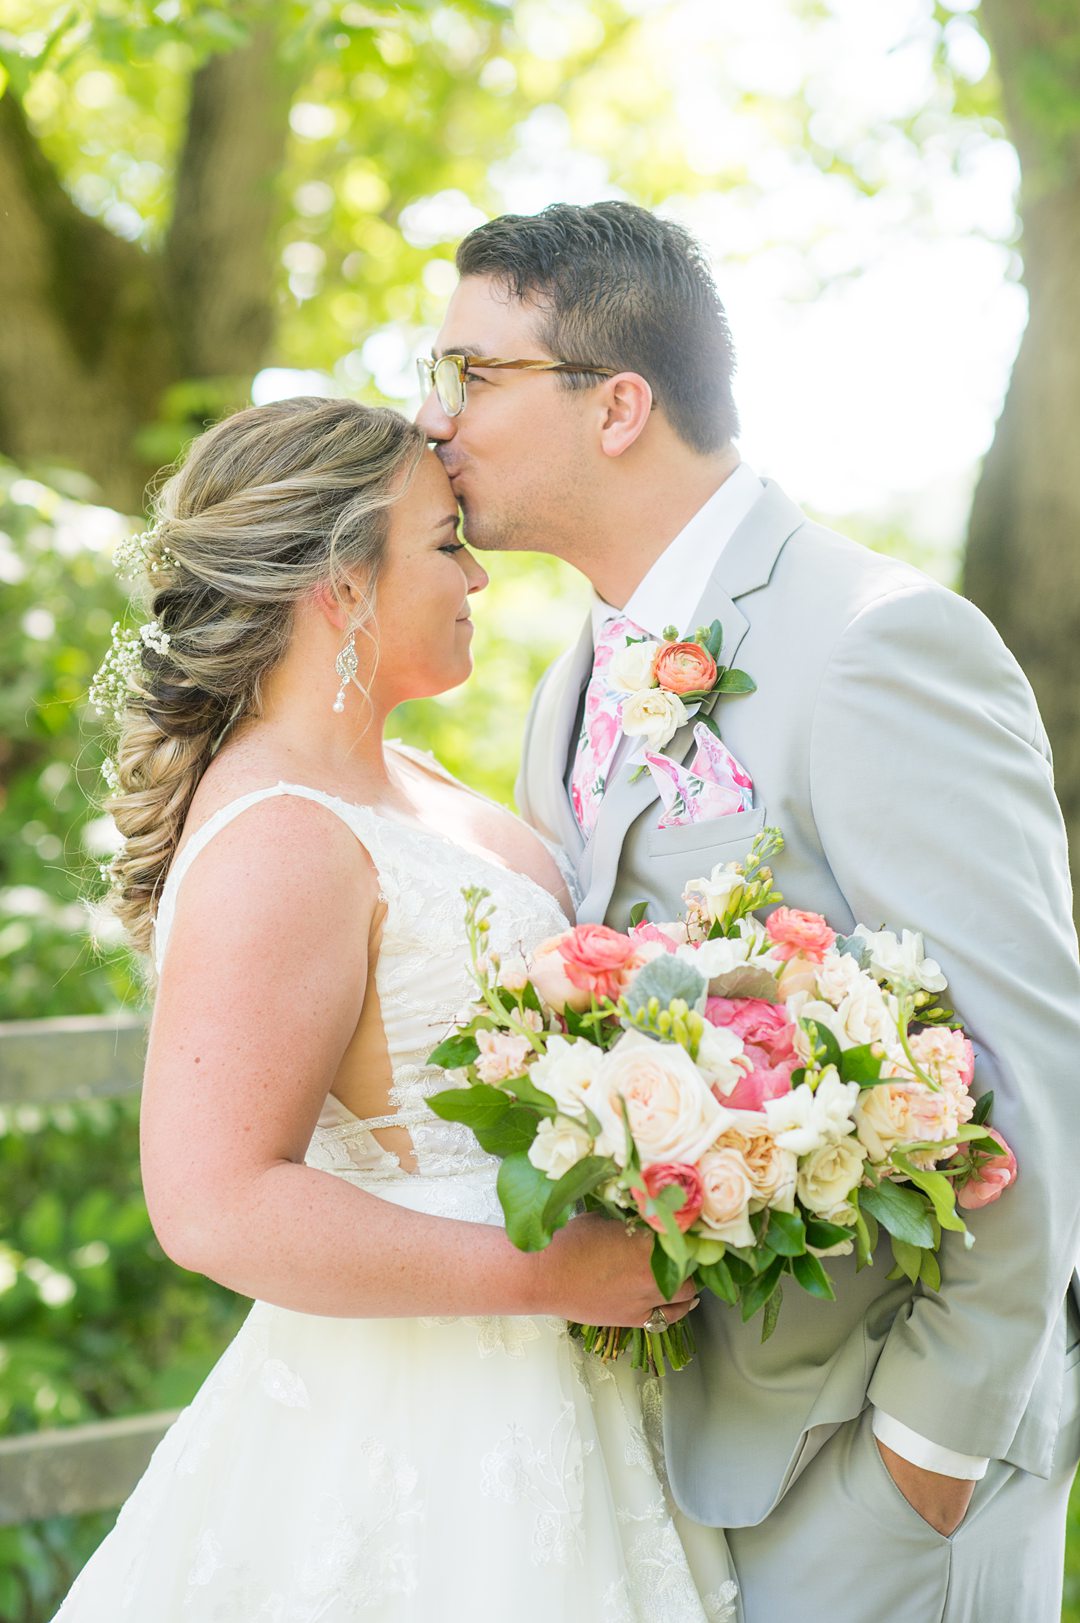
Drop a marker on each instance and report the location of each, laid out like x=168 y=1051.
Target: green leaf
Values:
x=930 y=1272
x=786 y=1234
x=828 y=1051
x=666 y=1271
x=983 y=1108
x=664 y=1206
x=824 y=1235
x=941 y=1193
x=580 y=1180
x=638 y=912
x=525 y=1090
x=736 y=682
x=455 y=1051
x=813 y=1278
x=908 y=1258
x=757 y=1293
x=899 y=1210
x=716 y=1277
x=514 y=1132
x=862 y=1065
x=523 y=1194
x=714 y=642
x=772 y=1312
x=478 y=1106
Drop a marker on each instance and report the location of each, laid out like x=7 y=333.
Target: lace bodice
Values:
x=423 y=983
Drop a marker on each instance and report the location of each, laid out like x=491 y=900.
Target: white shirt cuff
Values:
x=918 y=1450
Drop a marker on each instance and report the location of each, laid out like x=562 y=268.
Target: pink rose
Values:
x=503 y=1054
x=991 y=1180
x=763 y=1081
x=685 y=667
x=792 y=931
x=765 y=1025
x=642 y=933
x=599 y=961
x=659 y=1176
x=603 y=731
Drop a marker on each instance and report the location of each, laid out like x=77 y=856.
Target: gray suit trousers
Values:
x=844 y=1546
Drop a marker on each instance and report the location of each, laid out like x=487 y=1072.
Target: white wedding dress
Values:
x=423 y=1470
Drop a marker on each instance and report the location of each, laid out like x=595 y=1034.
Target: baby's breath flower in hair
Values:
x=117 y=675
x=143 y=554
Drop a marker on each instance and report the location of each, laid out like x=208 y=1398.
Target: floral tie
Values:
x=601 y=727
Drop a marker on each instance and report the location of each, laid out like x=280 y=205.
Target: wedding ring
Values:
x=657 y=1321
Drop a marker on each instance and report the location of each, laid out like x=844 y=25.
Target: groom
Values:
x=899 y=1453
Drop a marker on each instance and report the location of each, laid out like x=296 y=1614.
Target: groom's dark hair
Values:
x=615 y=285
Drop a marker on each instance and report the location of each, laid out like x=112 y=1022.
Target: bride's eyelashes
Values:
x=452 y=546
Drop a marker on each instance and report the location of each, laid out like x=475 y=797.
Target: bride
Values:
x=402 y=1429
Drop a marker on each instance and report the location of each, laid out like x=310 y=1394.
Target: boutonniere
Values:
x=669 y=682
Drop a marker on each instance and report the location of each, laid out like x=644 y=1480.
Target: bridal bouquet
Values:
x=763 y=1094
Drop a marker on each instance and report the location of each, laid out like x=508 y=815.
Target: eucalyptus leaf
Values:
x=666 y=979
x=746 y=980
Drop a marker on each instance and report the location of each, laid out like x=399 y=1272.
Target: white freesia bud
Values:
x=901 y=960
x=654 y=715
x=631 y=668
x=712 y=895
x=806 y=1118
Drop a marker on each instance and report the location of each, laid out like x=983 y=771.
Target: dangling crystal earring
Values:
x=346 y=667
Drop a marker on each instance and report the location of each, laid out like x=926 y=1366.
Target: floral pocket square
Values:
x=713 y=785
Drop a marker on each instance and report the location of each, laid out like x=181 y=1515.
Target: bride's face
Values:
x=422 y=618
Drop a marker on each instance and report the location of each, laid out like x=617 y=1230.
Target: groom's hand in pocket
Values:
x=940 y=1500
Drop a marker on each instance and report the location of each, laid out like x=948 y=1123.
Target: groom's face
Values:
x=517 y=456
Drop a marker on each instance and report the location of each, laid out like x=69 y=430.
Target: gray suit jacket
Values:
x=896 y=742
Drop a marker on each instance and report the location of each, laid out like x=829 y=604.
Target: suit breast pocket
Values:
x=723 y=839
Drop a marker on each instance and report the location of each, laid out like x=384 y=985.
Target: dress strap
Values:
x=348 y=813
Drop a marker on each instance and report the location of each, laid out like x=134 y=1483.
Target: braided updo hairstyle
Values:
x=269 y=504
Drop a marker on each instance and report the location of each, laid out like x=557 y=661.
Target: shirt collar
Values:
x=673 y=587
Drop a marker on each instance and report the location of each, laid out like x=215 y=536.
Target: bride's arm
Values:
x=260 y=994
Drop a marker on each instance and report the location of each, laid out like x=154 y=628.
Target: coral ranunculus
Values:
x=659 y=1176
x=791 y=930
x=685 y=667
x=993 y=1178
x=598 y=960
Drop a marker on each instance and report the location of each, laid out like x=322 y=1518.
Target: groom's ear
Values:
x=627 y=403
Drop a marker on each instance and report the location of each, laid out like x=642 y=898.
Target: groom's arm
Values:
x=932 y=794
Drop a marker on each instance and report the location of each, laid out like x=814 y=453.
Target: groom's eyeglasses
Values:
x=447 y=376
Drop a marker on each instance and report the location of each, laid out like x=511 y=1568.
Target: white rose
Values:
x=827 y=1177
x=558 y=1146
x=883 y=1118
x=715 y=958
x=655 y=715
x=632 y=667
x=868 y=1015
x=671 y=1112
x=837 y=974
x=721 y=1059
x=901 y=960
x=805 y=1119
x=567 y=1071
x=728 y=1191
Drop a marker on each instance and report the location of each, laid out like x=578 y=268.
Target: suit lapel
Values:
x=744 y=565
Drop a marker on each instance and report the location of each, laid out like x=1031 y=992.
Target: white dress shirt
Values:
x=668 y=596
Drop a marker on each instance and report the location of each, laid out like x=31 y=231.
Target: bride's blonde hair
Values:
x=269 y=504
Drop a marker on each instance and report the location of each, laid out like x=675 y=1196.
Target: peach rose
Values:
x=658 y=1176
x=949 y=1058
x=670 y=1111
x=503 y=1054
x=547 y=971
x=684 y=667
x=771 y=1170
x=792 y=931
x=991 y=1180
x=727 y=1190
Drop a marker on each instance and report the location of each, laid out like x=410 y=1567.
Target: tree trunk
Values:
x=95 y=329
x=1023 y=553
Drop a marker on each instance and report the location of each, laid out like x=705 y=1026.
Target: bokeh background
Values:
x=203 y=205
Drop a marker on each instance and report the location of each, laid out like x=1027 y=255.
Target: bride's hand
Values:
x=594 y=1272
